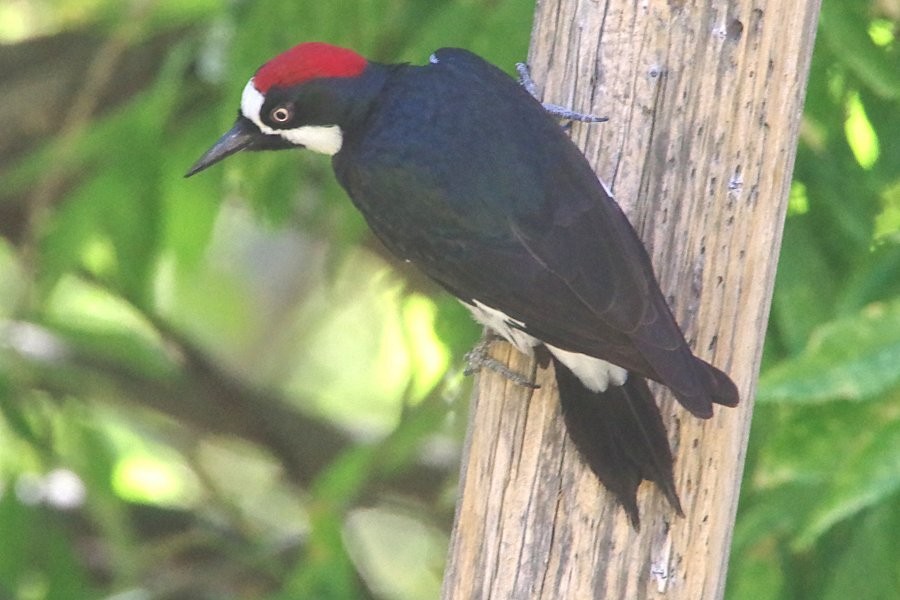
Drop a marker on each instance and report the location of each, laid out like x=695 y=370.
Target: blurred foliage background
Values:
x=222 y=388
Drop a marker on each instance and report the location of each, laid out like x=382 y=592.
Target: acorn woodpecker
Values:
x=460 y=171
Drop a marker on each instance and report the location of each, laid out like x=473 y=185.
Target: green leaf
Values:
x=855 y=358
x=874 y=279
x=868 y=565
x=759 y=574
x=38 y=558
x=805 y=281
x=817 y=465
x=14 y=415
x=845 y=29
x=869 y=476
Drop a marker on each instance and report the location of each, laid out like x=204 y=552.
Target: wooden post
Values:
x=704 y=100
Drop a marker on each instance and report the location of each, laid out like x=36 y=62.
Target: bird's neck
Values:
x=361 y=97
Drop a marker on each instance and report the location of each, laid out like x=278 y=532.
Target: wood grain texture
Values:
x=704 y=101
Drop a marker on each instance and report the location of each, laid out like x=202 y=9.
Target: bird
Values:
x=462 y=172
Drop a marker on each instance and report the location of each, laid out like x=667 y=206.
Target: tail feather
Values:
x=721 y=388
x=621 y=436
x=696 y=384
x=714 y=387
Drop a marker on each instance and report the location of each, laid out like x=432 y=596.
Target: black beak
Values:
x=241 y=136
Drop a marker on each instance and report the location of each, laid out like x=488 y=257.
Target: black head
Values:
x=296 y=100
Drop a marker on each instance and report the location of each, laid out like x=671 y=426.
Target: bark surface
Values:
x=704 y=101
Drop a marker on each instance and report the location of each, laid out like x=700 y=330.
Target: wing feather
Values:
x=528 y=231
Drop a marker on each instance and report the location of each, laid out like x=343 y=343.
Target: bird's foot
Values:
x=479 y=358
x=560 y=112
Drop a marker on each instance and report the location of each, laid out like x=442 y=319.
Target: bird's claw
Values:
x=560 y=112
x=479 y=358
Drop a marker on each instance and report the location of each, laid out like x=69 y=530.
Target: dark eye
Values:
x=281 y=114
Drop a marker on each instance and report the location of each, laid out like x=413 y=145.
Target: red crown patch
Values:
x=309 y=60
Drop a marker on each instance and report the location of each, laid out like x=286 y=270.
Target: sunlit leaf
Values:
x=844 y=27
x=399 y=556
x=428 y=355
x=870 y=475
x=850 y=358
x=860 y=135
x=151 y=479
x=887 y=225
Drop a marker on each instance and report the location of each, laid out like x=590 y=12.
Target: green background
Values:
x=222 y=388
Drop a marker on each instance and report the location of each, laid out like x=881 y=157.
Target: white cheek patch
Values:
x=326 y=139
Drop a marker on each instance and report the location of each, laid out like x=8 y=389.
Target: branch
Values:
x=203 y=395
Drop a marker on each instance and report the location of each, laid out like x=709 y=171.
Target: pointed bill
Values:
x=239 y=137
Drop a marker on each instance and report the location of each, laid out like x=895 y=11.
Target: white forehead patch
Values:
x=326 y=139
x=251 y=102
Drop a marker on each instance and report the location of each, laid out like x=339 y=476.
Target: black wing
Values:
x=521 y=223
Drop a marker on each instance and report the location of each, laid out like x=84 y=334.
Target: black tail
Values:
x=721 y=389
x=621 y=436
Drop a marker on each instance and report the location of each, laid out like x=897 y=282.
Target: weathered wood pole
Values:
x=704 y=99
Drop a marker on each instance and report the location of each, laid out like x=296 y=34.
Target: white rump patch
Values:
x=594 y=373
x=326 y=139
x=504 y=325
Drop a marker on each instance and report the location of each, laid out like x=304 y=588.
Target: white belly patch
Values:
x=596 y=374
